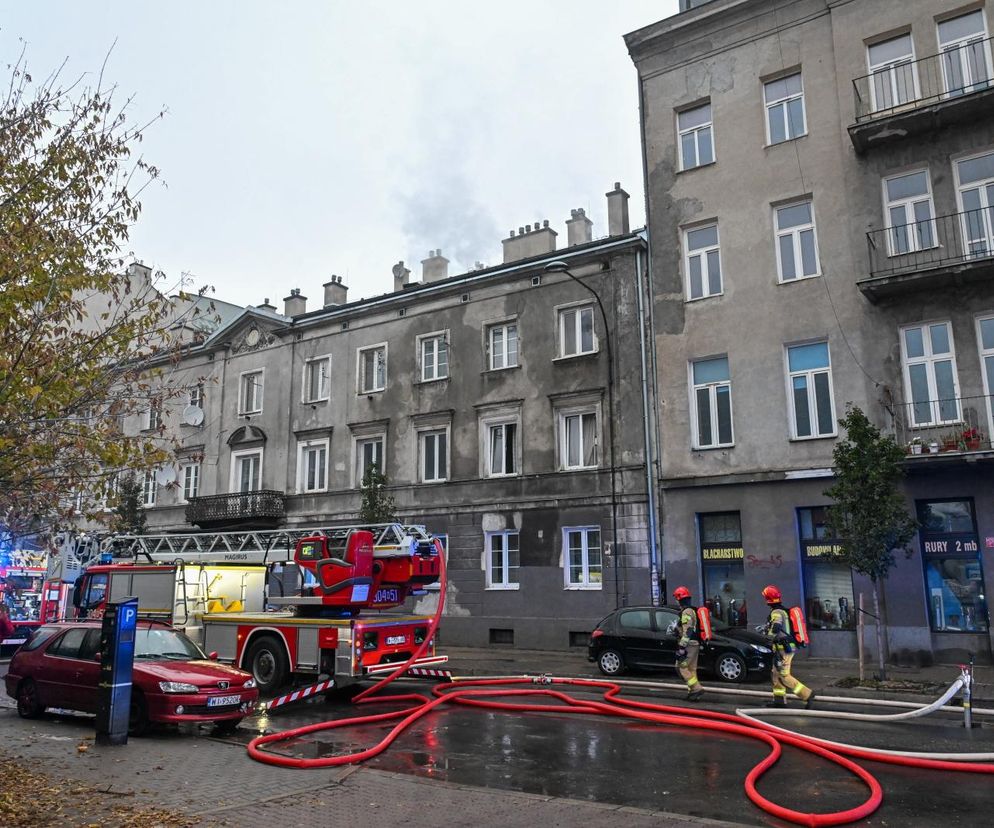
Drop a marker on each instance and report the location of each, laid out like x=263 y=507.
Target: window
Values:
x=723 y=565
x=797 y=245
x=985 y=339
x=433 y=352
x=434 y=455
x=696 y=145
x=503 y=560
x=372 y=369
x=584 y=564
x=810 y=391
x=711 y=403
x=153 y=416
x=190 y=475
x=68 y=646
x=502 y=449
x=197 y=395
x=828 y=592
x=317 y=379
x=930 y=374
x=954 y=576
x=312 y=466
x=250 y=394
x=893 y=79
x=578 y=439
x=702 y=261
x=784 y=109
x=576 y=331
x=246 y=470
x=148 y=488
x=909 y=213
x=368 y=453
x=976 y=195
x=502 y=345
x=966 y=54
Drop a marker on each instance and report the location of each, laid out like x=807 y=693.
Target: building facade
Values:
x=819 y=178
x=504 y=406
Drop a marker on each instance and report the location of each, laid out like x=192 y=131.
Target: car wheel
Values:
x=29 y=706
x=611 y=663
x=267 y=662
x=227 y=727
x=137 y=714
x=729 y=666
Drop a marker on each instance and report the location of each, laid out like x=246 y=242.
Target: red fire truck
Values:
x=307 y=602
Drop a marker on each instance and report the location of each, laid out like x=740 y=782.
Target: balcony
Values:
x=930 y=254
x=946 y=429
x=263 y=509
x=918 y=96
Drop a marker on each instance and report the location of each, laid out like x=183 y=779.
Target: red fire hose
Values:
x=482 y=692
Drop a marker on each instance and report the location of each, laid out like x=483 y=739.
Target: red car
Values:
x=172 y=679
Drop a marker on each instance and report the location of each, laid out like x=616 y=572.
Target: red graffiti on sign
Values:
x=772 y=562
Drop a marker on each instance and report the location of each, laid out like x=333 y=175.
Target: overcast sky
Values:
x=305 y=139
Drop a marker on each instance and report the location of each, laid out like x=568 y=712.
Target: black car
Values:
x=644 y=638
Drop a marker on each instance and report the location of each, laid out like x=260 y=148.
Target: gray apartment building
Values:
x=505 y=405
x=820 y=197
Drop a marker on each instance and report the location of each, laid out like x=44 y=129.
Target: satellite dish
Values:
x=193 y=415
x=165 y=475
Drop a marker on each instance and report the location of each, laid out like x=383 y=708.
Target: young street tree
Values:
x=129 y=513
x=377 y=506
x=869 y=515
x=76 y=326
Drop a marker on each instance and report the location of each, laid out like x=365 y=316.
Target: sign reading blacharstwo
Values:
x=723 y=553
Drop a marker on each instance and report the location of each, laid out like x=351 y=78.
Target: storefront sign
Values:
x=957 y=543
x=723 y=553
x=821 y=550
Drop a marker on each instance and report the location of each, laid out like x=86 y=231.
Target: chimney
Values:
x=617 y=211
x=401 y=276
x=529 y=242
x=294 y=304
x=578 y=228
x=137 y=270
x=335 y=293
x=435 y=267
x=266 y=306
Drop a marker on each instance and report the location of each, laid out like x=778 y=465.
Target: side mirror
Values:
x=213 y=656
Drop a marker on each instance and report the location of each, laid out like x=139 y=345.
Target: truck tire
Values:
x=267 y=661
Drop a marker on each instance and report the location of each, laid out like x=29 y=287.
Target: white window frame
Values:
x=702 y=253
x=960 y=45
x=695 y=132
x=186 y=471
x=985 y=210
x=360 y=389
x=504 y=354
x=304 y=449
x=907 y=205
x=585 y=582
x=794 y=233
x=259 y=387
x=321 y=364
x=359 y=440
x=423 y=435
x=149 y=488
x=197 y=395
x=577 y=309
x=423 y=341
x=234 y=480
x=986 y=354
x=888 y=67
x=563 y=415
x=929 y=360
x=783 y=103
x=809 y=376
x=493 y=419
x=506 y=583
x=153 y=416
x=712 y=391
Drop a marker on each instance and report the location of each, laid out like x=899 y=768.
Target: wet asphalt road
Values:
x=697 y=773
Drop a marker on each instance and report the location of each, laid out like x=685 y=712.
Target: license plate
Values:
x=396 y=639
x=383 y=596
x=223 y=701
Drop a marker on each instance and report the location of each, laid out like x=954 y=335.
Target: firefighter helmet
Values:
x=681 y=592
x=772 y=595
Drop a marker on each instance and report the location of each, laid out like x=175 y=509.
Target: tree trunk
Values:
x=881 y=632
x=860 y=624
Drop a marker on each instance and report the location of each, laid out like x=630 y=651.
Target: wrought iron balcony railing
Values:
x=961 y=70
x=931 y=243
x=263 y=506
x=960 y=424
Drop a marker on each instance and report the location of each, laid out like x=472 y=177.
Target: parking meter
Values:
x=117 y=654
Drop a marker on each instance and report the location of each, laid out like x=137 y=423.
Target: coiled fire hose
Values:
x=482 y=693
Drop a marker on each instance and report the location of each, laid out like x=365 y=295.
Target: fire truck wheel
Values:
x=730 y=666
x=137 y=714
x=267 y=662
x=611 y=663
x=28 y=705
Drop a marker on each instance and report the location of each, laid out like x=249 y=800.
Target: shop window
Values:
x=828 y=590
x=723 y=563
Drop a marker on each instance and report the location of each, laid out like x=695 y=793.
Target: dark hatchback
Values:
x=644 y=638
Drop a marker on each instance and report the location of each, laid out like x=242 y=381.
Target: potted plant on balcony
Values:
x=915 y=445
x=970 y=439
x=950 y=442
x=933 y=447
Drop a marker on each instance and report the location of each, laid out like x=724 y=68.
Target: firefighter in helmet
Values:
x=689 y=646
x=778 y=630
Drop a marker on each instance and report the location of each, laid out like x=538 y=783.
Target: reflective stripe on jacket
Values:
x=688 y=626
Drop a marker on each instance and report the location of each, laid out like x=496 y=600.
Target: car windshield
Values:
x=163 y=643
